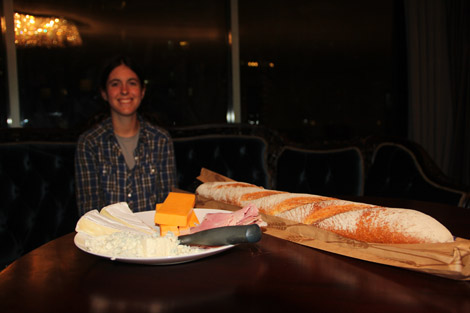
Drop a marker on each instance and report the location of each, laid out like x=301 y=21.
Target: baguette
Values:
x=358 y=221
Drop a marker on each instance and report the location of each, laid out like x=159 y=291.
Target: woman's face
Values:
x=124 y=91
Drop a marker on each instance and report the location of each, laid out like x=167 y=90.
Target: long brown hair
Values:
x=117 y=61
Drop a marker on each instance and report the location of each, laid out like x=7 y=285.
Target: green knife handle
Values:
x=227 y=235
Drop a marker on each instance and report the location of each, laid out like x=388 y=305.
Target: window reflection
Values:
x=182 y=46
x=311 y=69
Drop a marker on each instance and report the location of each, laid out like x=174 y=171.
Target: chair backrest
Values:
x=240 y=157
x=396 y=171
x=38 y=197
x=332 y=172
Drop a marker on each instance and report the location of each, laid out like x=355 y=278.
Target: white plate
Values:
x=148 y=218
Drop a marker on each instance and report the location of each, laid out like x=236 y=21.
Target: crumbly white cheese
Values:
x=137 y=245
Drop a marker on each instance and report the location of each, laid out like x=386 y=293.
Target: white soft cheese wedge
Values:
x=95 y=224
x=121 y=213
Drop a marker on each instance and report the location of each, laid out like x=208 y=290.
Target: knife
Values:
x=226 y=235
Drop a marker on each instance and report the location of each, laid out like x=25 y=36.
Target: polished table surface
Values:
x=273 y=275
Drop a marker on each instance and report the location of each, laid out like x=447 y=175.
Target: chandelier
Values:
x=40 y=31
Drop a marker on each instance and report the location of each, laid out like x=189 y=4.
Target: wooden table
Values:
x=272 y=275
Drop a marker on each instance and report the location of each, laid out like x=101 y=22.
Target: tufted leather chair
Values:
x=240 y=157
x=405 y=171
x=332 y=172
x=37 y=192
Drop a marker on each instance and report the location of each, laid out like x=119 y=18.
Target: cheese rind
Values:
x=176 y=209
x=95 y=224
x=121 y=213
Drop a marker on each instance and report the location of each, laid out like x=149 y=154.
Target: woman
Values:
x=123 y=158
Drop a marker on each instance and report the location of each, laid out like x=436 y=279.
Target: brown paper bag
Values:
x=449 y=260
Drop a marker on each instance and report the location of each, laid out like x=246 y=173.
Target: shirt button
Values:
x=152 y=170
x=129 y=195
x=104 y=171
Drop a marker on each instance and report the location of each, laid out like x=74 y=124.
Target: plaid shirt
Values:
x=102 y=176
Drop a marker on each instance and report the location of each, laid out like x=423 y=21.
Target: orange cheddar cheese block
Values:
x=166 y=228
x=193 y=220
x=179 y=230
x=183 y=230
x=176 y=209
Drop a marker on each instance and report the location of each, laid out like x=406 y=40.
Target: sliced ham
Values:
x=245 y=216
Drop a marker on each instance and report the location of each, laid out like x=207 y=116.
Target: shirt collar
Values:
x=108 y=126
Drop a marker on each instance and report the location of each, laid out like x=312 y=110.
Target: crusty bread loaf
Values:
x=359 y=221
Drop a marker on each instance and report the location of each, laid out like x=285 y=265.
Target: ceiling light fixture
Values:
x=41 y=31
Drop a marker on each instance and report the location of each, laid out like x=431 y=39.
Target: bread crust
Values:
x=355 y=220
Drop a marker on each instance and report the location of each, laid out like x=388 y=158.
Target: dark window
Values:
x=182 y=45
